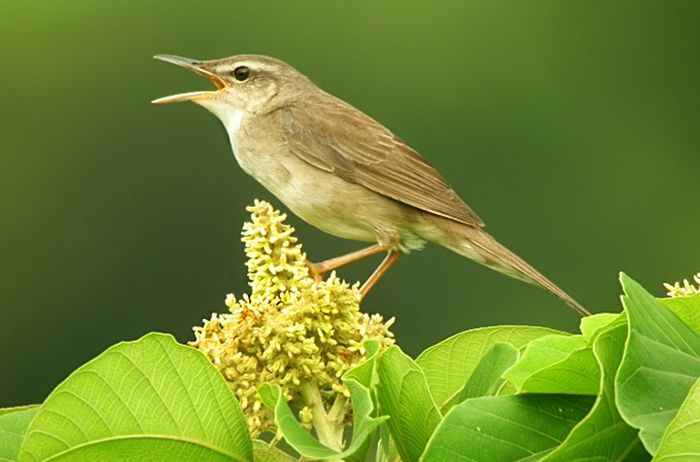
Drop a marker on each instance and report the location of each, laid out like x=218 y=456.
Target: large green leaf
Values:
x=590 y=325
x=9 y=410
x=687 y=309
x=682 y=438
x=505 y=428
x=556 y=364
x=404 y=396
x=486 y=379
x=13 y=425
x=308 y=446
x=660 y=364
x=262 y=452
x=449 y=364
x=148 y=400
x=386 y=447
x=603 y=435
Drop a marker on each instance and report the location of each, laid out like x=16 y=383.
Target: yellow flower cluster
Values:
x=684 y=290
x=291 y=330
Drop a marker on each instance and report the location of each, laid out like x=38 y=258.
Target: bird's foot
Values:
x=316 y=270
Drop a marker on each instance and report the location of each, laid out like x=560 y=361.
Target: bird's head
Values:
x=244 y=83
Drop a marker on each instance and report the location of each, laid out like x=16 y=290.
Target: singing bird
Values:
x=340 y=170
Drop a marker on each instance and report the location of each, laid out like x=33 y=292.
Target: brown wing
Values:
x=333 y=136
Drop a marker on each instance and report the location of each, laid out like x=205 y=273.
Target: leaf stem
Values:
x=329 y=426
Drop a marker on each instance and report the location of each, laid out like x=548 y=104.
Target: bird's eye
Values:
x=241 y=73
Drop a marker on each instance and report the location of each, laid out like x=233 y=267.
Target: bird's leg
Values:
x=381 y=270
x=317 y=270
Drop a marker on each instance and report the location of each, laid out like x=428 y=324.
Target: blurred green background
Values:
x=572 y=128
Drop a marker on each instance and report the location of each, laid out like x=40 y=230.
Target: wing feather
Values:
x=333 y=136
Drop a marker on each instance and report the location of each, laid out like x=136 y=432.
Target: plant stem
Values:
x=328 y=425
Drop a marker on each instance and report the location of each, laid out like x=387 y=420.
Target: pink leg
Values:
x=317 y=270
x=391 y=258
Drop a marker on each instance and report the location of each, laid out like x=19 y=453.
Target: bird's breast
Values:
x=319 y=197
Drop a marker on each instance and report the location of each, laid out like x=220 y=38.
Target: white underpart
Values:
x=231 y=117
x=232 y=120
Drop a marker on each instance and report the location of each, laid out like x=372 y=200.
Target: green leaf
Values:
x=505 y=428
x=372 y=347
x=303 y=442
x=403 y=395
x=262 y=452
x=681 y=441
x=556 y=364
x=9 y=410
x=590 y=325
x=449 y=364
x=603 y=434
x=13 y=425
x=687 y=309
x=148 y=400
x=360 y=381
x=365 y=372
x=386 y=449
x=486 y=379
x=661 y=363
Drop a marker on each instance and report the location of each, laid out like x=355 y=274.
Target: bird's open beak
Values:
x=196 y=66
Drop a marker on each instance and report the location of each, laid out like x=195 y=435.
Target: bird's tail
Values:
x=478 y=245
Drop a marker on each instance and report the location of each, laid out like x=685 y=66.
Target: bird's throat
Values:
x=231 y=117
x=232 y=120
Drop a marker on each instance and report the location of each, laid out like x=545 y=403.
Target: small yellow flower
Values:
x=291 y=330
x=306 y=417
x=684 y=290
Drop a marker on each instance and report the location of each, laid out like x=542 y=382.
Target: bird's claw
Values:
x=315 y=271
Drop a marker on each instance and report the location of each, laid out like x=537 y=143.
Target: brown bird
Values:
x=340 y=170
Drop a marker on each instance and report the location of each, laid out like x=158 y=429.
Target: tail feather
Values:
x=478 y=245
